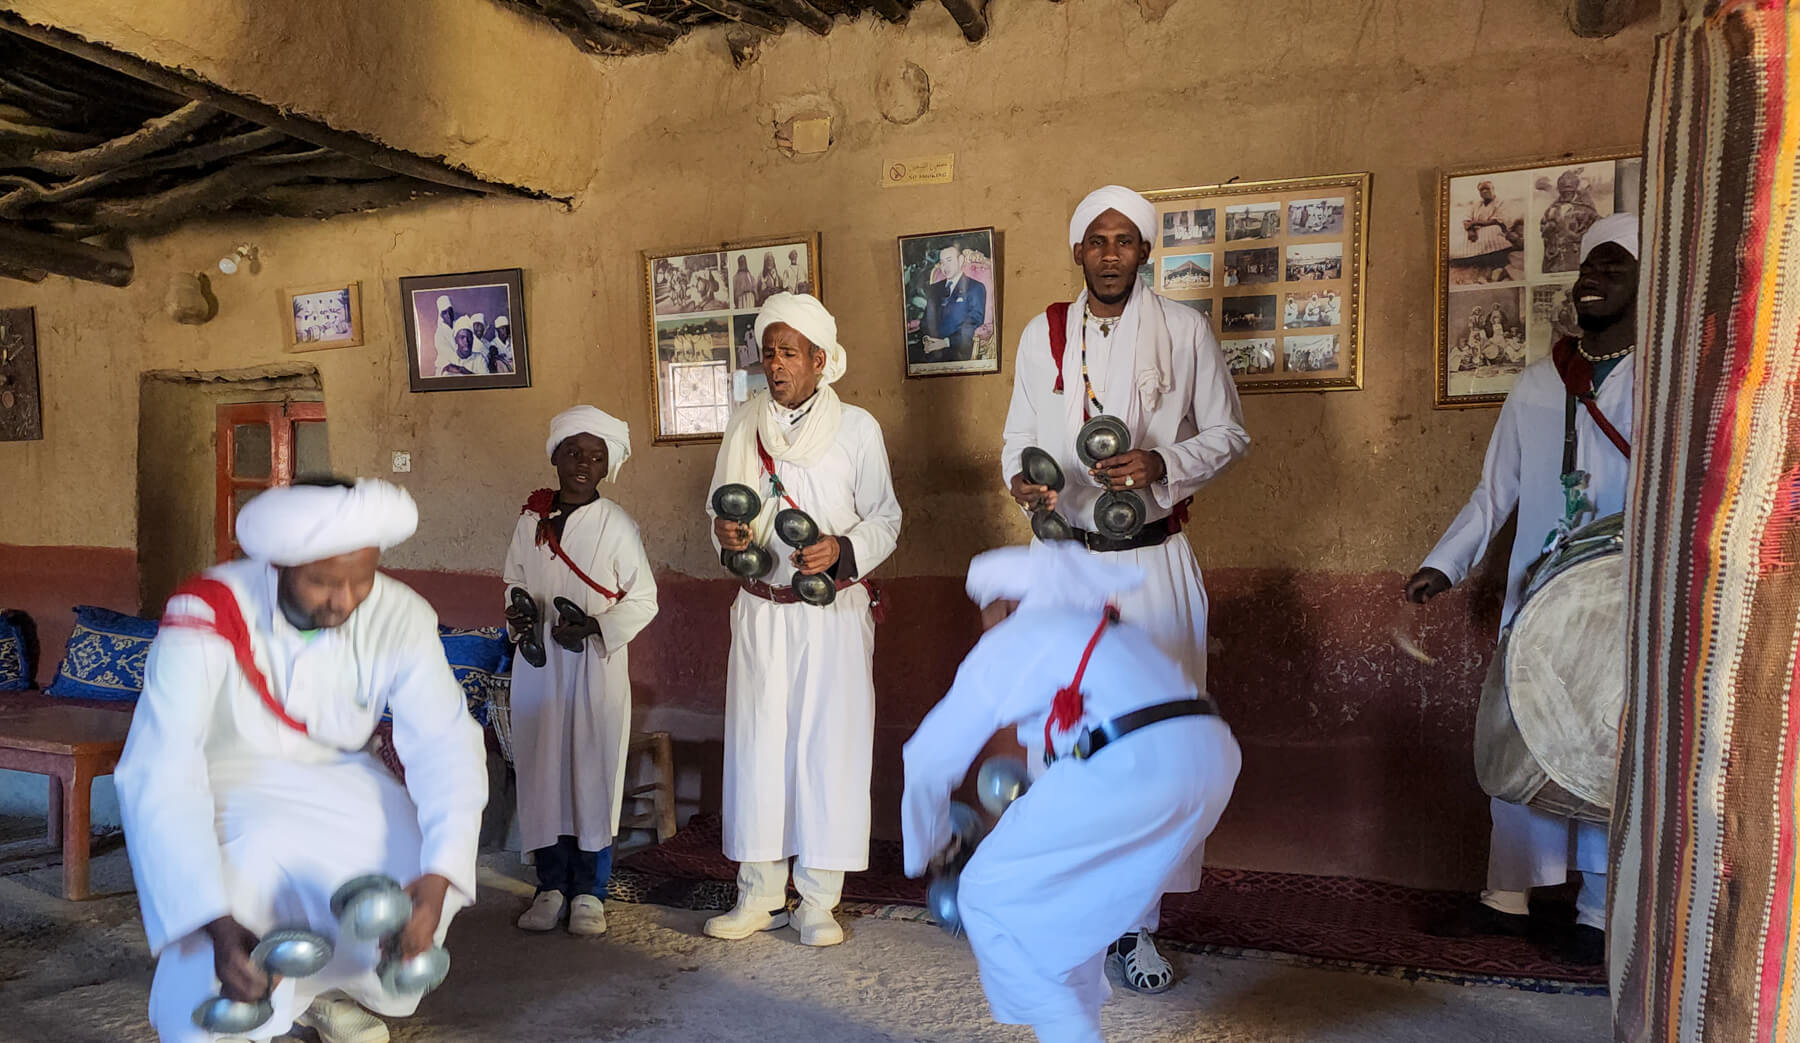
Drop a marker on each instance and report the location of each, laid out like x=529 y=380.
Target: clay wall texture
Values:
x=1304 y=542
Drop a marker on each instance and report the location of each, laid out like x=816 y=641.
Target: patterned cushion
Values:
x=105 y=656
x=481 y=659
x=15 y=672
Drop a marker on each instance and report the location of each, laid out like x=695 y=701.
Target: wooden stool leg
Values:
x=663 y=798
x=54 y=817
x=76 y=790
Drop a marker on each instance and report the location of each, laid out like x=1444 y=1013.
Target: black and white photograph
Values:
x=1247 y=314
x=950 y=303
x=1550 y=318
x=1316 y=216
x=1565 y=202
x=466 y=332
x=1187 y=272
x=1252 y=221
x=726 y=282
x=1311 y=354
x=323 y=317
x=1487 y=346
x=1315 y=262
x=1250 y=357
x=1185 y=228
x=1307 y=309
x=1253 y=267
x=1487 y=233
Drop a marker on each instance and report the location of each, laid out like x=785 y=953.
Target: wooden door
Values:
x=262 y=445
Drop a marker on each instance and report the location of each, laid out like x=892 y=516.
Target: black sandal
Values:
x=530 y=641
x=572 y=615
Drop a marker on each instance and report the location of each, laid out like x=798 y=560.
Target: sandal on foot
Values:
x=1141 y=968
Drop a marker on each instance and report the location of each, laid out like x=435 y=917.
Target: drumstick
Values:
x=1401 y=631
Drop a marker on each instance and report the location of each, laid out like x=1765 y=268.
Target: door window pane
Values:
x=250 y=450
x=312 y=454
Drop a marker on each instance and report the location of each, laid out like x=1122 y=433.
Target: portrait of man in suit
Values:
x=955 y=308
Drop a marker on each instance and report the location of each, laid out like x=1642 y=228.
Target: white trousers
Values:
x=1529 y=848
x=1084 y=856
x=765 y=885
x=290 y=836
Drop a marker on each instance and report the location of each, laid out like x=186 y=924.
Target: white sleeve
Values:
x=1033 y=378
x=165 y=795
x=637 y=581
x=1219 y=437
x=873 y=538
x=442 y=749
x=1493 y=500
x=939 y=753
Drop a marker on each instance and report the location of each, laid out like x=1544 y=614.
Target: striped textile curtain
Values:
x=1704 y=944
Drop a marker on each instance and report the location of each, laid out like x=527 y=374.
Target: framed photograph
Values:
x=466 y=332
x=318 y=317
x=950 y=298
x=701 y=305
x=21 y=404
x=1277 y=268
x=1508 y=249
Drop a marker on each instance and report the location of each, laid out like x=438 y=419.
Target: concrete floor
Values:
x=79 y=973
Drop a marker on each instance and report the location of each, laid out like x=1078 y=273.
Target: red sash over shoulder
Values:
x=1577 y=375
x=541 y=504
x=228 y=622
x=1058 y=314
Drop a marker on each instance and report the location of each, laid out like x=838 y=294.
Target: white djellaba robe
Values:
x=800 y=684
x=571 y=719
x=228 y=811
x=444 y=341
x=1523 y=469
x=1197 y=427
x=1088 y=852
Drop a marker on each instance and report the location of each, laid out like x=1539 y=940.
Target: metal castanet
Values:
x=531 y=640
x=1040 y=468
x=753 y=562
x=736 y=502
x=966 y=830
x=1001 y=781
x=232 y=1017
x=571 y=614
x=1118 y=514
x=1101 y=438
x=416 y=976
x=292 y=952
x=797 y=529
x=371 y=907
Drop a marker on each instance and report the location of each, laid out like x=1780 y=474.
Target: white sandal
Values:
x=1141 y=968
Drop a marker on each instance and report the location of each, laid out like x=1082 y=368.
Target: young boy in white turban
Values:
x=1121 y=350
x=247 y=788
x=571 y=716
x=1143 y=769
x=800 y=687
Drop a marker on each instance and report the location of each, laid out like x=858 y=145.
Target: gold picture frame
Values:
x=1277 y=268
x=699 y=312
x=1507 y=252
x=314 y=318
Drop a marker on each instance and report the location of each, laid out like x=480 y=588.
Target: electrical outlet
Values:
x=402 y=463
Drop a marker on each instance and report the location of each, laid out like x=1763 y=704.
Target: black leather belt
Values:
x=1093 y=740
x=1153 y=534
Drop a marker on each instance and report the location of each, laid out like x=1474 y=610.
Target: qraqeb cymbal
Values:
x=816 y=589
x=796 y=528
x=1101 y=438
x=420 y=974
x=753 y=562
x=736 y=502
x=292 y=952
x=371 y=907
x=1049 y=526
x=1040 y=468
x=1119 y=514
x=232 y=1017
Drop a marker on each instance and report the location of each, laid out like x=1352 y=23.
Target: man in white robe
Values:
x=1155 y=365
x=501 y=349
x=1089 y=850
x=1523 y=471
x=467 y=358
x=248 y=791
x=800 y=689
x=444 y=338
x=571 y=717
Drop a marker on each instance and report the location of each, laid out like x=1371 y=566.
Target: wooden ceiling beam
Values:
x=153 y=136
x=21 y=272
x=214 y=192
x=971 y=15
x=625 y=20
x=21 y=248
x=739 y=13
x=802 y=12
x=893 y=10
x=30 y=194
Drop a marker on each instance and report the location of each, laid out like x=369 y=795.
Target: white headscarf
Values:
x=443 y=302
x=1139 y=210
x=1621 y=228
x=588 y=420
x=296 y=524
x=463 y=322
x=803 y=312
x=1057 y=574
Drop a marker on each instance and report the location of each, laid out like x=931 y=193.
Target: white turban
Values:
x=803 y=312
x=478 y=317
x=501 y=321
x=463 y=322
x=1621 y=228
x=1053 y=574
x=580 y=420
x=1139 y=210
x=443 y=301
x=296 y=524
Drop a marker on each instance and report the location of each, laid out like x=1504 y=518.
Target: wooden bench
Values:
x=72 y=744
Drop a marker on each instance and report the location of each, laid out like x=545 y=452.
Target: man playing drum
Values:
x=1524 y=470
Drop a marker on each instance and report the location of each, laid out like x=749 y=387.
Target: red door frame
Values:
x=281 y=417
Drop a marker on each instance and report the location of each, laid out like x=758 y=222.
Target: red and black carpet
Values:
x=1324 y=921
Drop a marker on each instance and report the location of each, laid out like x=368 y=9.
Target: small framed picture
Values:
x=319 y=317
x=701 y=305
x=950 y=300
x=466 y=332
x=1509 y=250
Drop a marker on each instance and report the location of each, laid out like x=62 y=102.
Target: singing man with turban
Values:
x=1121 y=350
x=800 y=689
x=1144 y=767
x=248 y=787
x=571 y=682
x=1587 y=380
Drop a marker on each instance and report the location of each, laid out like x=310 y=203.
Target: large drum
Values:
x=1547 y=732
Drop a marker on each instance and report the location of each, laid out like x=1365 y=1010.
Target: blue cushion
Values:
x=481 y=659
x=16 y=668
x=105 y=656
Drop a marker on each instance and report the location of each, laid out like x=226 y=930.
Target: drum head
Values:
x=1041 y=468
x=1119 y=515
x=1100 y=439
x=1565 y=673
x=736 y=502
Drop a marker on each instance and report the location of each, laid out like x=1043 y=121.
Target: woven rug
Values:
x=1315 y=920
